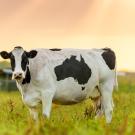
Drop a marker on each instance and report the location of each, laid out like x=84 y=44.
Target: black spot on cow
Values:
x=27 y=77
x=83 y=88
x=55 y=49
x=109 y=58
x=79 y=70
x=25 y=58
x=12 y=61
x=24 y=61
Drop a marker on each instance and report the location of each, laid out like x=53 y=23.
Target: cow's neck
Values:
x=27 y=78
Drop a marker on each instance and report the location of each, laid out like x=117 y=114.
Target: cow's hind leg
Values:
x=98 y=107
x=96 y=98
x=106 y=97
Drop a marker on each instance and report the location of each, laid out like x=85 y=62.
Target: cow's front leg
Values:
x=31 y=101
x=47 y=97
x=34 y=113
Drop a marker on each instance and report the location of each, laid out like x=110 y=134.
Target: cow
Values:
x=64 y=76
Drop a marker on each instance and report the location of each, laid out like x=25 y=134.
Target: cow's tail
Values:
x=115 y=78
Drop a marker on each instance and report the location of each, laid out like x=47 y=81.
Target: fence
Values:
x=7 y=85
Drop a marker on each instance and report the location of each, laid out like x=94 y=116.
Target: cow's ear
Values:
x=5 y=55
x=32 y=54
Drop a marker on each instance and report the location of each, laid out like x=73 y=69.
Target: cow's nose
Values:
x=18 y=75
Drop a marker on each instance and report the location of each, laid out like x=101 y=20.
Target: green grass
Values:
x=70 y=120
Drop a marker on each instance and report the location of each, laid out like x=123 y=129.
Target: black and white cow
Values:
x=63 y=76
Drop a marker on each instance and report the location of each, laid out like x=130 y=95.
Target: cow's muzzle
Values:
x=18 y=76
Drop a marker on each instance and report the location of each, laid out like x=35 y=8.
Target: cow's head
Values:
x=19 y=59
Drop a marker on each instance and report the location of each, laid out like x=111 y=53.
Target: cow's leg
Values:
x=34 y=113
x=31 y=103
x=106 y=94
x=98 y=108
x=112 y=103
x=47 y=97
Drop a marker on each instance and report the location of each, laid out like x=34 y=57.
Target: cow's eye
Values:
x=11 y=57
x=24 y=60
x=24 y=63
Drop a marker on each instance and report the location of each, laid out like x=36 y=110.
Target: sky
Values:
x=70 y=24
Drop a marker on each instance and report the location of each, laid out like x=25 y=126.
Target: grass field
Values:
x=70 y=120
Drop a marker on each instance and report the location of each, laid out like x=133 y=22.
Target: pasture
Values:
x=70 y=120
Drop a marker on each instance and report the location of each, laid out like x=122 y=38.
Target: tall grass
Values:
x=70 y=120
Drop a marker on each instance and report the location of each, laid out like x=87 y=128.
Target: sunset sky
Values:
x=70 y=24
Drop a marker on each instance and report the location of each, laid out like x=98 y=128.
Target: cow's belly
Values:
x=69 y=98
x=68 y=91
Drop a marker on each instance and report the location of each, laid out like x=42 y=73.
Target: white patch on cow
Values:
x=17 y=52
